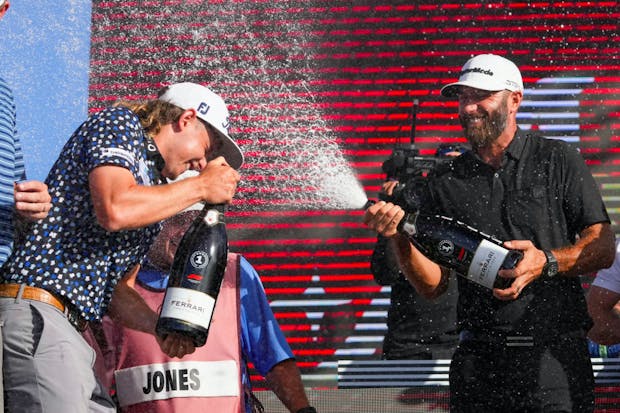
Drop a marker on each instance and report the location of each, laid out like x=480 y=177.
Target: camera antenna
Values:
x=414 y=119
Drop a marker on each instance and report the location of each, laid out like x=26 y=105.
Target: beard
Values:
x=492 y=125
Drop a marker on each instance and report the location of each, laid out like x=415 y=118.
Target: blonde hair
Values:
x=153 y=114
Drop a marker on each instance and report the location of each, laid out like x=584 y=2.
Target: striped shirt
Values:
x=11 y=168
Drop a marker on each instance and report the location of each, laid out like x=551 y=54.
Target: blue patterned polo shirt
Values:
x=68 y=253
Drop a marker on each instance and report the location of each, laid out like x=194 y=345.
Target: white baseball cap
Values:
x=209 y=107
x=487 y=72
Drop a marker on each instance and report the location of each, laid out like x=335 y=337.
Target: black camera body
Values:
x=410 y=169
x=406 y=162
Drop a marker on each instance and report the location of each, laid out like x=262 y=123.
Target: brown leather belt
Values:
x=44 y=296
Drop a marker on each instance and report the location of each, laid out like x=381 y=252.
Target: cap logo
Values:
x=203 y=108
x=476 y=70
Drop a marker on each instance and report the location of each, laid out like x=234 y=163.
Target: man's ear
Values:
x=515 y=100
x=187 y=118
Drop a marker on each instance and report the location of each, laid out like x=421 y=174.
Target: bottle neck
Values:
x=221 y=208
x=213 y=214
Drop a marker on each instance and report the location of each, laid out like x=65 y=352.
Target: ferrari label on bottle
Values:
x=486 y=262
x=188 y=305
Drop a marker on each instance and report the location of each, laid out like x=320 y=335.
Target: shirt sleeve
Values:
x=111 y=137
x=583 y=202
x=261 y=338
x=609 y=278
x=383 y=270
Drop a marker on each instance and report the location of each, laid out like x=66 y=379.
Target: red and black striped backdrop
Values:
x=321 y=91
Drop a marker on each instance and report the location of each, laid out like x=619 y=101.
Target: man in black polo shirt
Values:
x=523 y=348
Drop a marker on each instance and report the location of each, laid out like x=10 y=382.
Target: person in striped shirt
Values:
x=29 y=199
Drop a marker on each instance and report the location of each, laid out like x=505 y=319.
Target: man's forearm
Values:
x=593 y=251
x=284 y=380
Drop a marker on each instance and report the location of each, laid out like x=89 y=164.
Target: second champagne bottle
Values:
x=454 y=244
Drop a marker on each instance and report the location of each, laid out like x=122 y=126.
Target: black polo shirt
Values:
x=542 y=192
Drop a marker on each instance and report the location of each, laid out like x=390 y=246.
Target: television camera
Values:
x=410 y=169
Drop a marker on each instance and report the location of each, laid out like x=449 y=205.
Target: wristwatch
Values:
x=550 y=269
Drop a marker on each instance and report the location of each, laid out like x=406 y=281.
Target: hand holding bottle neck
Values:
x=379 y=212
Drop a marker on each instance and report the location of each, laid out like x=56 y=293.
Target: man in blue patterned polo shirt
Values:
x=106 y=209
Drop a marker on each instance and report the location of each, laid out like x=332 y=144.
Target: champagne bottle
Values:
x=195 y=277
x=454 y=244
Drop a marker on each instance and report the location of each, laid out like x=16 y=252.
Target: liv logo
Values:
x=203 y=108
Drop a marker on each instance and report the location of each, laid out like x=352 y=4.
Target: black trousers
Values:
x=549 y=376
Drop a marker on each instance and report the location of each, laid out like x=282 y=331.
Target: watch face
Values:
x=551 y=267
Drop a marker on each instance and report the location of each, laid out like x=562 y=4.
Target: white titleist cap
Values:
x=487 y=72
x=187 y=174
x=209 y=107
